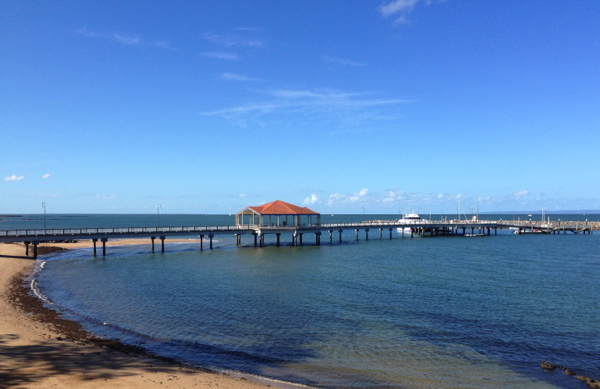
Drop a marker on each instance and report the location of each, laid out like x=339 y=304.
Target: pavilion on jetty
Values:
x=274 y=218
x=279 y=217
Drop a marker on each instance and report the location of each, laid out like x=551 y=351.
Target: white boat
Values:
x=411 y=218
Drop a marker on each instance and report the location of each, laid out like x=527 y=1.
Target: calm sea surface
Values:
x=478 y=312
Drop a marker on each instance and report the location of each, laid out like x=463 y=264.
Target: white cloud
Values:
x=239 y=77
x=401 y=8
x=341 y=61
x=520 y=194
x=393 y=195
x=242 y=195
x=311 y=200
x=397 y=6
x=341 y=199
x=336 y=198
x=362 y=192
x=221 y=55
x=45 y=176
x=14 y=177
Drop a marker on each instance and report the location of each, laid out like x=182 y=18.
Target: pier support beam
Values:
x=412 y=233
x=330 y=236
x=35 y=250
x=201 y=240
x=380 y=233
x=255 y=239
x=300 y=239
x=366 y=233
x=104 y=240
x=278 y=235
x=390 y=234
x=210 y=237
x=27 y=248
x=318 y=238
x=340 y=231
x=151 y=245
x=94 y=241
x=356 y=233
x=162 y=244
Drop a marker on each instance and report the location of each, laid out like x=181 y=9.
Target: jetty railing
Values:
x=118 y=230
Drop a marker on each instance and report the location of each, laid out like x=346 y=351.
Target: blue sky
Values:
x=209 y=106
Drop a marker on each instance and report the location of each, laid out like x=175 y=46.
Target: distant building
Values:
x=277 y=214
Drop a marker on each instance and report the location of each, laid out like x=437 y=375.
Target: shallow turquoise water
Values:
x=416 y=313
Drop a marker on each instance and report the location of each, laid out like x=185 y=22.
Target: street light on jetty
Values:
x=363 y=209
x=158 y=208
x=44 y=206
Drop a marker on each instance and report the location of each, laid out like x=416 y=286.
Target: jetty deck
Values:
x=423 y=228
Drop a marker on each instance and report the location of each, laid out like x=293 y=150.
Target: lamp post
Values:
x=158 y=208
x=44 y=206
x=363 y=209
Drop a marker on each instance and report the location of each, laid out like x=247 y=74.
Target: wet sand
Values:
x=39 y=349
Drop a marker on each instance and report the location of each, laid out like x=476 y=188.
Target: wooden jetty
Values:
x=279 y=218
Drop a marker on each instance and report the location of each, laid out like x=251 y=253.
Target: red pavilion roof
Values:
x=279 y=207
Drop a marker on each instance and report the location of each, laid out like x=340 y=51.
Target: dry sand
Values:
x=40 y=350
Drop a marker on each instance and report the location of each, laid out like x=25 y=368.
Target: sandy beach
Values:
x=38 y=349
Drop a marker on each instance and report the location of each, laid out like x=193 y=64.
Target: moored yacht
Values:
x=411 y=218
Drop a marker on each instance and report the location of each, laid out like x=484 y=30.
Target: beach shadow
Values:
x=27 y=364
x=16 y=256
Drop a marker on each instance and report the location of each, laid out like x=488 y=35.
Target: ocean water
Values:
x=458 y=312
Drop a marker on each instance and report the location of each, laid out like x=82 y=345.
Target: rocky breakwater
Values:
x=592 y=383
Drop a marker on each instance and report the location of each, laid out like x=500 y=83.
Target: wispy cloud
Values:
x=232 y=40
x=401 y=8
x=14 y=177
x=323 y=106
x=163 y=44
x=45 y=176
x=124 y=39
x=341 y=61
x=239 y=77
x=221 y=55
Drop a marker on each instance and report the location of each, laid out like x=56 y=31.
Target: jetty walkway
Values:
x=34 y=237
